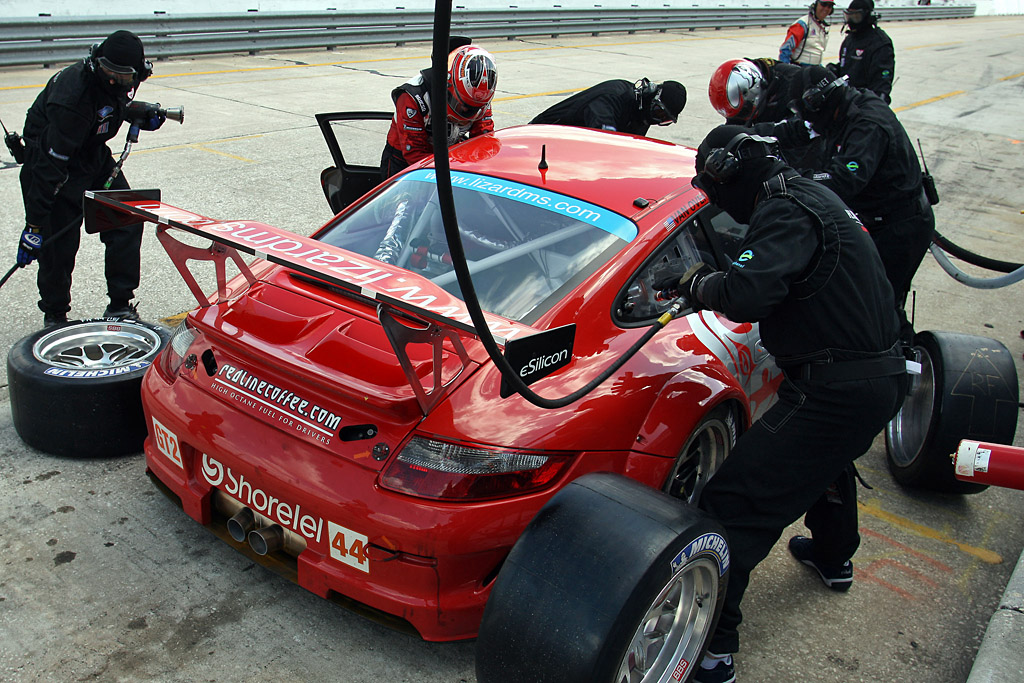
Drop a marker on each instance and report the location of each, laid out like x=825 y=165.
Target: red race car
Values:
x=332 y=411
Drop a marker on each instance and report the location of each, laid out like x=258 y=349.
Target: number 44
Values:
x=348 y=547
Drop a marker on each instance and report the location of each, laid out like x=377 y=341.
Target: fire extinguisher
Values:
x=990 y=463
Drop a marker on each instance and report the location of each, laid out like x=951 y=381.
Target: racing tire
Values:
x=967 y=389
x=612 y=582
x=75 y=387
x=707 y=447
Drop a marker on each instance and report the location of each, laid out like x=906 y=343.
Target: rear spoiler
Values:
x=116 y=208
x=404 y=312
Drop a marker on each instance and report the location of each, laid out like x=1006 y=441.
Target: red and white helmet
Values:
x=471 y=81
x=737 y=89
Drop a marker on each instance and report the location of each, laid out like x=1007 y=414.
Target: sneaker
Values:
x=724 y=672
x=836 y=577
x=122 y=311
x=52 y=319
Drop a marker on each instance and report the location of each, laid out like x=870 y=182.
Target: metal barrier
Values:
x=53 y=40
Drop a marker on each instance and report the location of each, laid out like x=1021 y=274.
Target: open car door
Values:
x=365 y=133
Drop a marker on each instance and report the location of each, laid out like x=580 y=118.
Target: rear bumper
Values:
x=428 y=564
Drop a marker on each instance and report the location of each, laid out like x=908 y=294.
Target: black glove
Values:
x=666 y=278
x=29 y=245
x=146 y=116
x=665 y=275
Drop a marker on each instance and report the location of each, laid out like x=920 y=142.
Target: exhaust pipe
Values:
x=267 y=540
x=241 y=524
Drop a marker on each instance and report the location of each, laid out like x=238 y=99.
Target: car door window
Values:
x=640 y=303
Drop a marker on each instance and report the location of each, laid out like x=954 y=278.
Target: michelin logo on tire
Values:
x=709 y=544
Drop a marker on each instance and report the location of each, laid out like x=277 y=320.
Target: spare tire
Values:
x=612 y=581
x=967 y=390
x=75 y=387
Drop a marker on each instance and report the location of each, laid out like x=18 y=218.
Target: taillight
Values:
x=177 y=348
x=438 y=469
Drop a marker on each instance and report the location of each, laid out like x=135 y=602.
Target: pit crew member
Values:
x=66 y=131
x=808 y=273
x=873 y=167
x=866 y=56
x=807 y=37
x=619 y=105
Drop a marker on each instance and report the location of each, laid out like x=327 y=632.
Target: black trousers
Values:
x=902 y=244
x=391 y=162
x=796 y=459
x=122 y=259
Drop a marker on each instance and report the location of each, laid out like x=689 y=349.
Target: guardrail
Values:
x=53 y=40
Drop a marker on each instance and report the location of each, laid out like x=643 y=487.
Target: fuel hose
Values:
x=446 y=202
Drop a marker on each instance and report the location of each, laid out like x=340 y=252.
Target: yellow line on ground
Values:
x=203 y=146
x=919 y=47
x=929 y=100
x=871 y=508
x=536 y=94
x=1010 y=78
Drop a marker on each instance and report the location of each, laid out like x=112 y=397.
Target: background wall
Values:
x=20 y=8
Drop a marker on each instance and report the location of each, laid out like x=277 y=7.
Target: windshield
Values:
x=526 y=246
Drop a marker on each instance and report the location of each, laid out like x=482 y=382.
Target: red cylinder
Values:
x=990 y=463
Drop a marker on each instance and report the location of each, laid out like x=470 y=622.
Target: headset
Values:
x=723 y=163
x=815 y=97
x=93 y=60
x=645 y=91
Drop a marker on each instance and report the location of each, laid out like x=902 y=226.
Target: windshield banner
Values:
x=584 y=212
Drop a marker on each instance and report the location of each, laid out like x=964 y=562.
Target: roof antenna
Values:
x=543 y=165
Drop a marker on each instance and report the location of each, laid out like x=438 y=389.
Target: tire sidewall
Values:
x=79 y=413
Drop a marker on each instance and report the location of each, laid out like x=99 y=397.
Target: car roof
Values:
x=608 y=169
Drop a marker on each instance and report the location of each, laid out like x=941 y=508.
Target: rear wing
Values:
x=356 y=276
x=412 y=310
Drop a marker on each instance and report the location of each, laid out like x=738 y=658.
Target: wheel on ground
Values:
x=612 y=582
x=75 y=387
x=709 y=444
x=967 y=389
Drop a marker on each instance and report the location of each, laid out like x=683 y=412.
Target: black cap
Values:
x=673 y=96
x=122 y=52
x=867 y=6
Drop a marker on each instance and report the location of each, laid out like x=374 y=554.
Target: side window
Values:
x=639 y=303
x=727 y=233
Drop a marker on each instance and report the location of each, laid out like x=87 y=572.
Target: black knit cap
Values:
x=866 y=5
x=123 y=49
x=673 y=96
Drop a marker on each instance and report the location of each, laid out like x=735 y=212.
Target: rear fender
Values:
x=683 y=401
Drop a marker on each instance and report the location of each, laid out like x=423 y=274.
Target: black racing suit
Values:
x=612 y=105
x=813 y=280
x=66 y=131
x=867 y=58
x=874 y=170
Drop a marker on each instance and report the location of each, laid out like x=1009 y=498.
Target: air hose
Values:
x=1014 y=272
x=446 y=202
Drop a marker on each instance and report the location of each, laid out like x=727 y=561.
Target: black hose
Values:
x=974 y=259
x=446 y=202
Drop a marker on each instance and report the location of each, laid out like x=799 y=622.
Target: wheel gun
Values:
x=140 y=114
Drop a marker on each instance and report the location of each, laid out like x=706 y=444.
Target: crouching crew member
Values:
x=619 y=105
